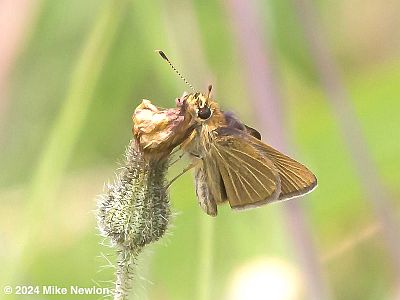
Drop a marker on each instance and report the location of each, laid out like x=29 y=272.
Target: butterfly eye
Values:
x=204 y=113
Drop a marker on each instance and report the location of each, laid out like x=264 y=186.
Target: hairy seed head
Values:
x=135 y=209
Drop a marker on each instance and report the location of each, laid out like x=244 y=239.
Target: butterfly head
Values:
x=200 y=106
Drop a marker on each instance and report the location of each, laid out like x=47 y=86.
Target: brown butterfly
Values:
x=231 y=162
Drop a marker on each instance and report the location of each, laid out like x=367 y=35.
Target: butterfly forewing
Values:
x=296 y=179
x=249 y=178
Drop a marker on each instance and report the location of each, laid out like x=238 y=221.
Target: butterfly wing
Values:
x=296 y=179
x=233 y=122
x=204 y=197
x=244 y=175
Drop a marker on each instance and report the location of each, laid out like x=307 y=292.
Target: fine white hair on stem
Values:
x=133 y=212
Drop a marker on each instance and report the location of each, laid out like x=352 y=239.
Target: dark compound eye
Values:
x=204 y=113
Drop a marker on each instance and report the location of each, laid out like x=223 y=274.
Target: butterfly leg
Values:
x=176 y=150
x=177 y=159
x=181 y=147
x=189 y=167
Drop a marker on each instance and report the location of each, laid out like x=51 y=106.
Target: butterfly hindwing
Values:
x=249 y=178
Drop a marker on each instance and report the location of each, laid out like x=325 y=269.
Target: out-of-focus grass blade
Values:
x=60 y=144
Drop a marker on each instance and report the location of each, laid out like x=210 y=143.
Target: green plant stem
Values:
x=125 y=265
x=63 y=136
x=206 y=256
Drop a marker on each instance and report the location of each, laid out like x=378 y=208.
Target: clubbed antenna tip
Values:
x=162 y=54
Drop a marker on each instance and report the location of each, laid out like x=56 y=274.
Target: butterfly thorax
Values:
x=206 y=118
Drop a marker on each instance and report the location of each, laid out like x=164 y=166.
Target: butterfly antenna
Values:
x=162 y=54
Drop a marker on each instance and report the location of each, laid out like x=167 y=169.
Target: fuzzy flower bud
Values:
x=135 y=210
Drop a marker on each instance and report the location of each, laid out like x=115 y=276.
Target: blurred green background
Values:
x=71 y=74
